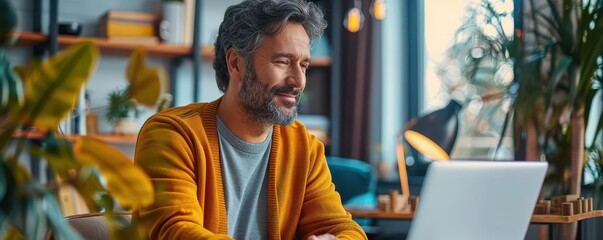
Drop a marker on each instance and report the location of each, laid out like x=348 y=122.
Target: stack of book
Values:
x=128 y=27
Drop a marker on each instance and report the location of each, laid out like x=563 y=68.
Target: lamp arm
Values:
x=402 y=167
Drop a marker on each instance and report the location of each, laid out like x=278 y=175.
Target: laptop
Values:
x=477 y=200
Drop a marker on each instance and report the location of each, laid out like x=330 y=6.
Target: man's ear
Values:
x=234 y=61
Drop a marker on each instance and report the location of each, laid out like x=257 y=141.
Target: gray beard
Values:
x=260 y=106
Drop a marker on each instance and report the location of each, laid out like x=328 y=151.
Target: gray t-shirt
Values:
x=244 y=170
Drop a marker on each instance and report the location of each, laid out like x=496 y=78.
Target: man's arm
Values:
x=163 y=151
x=322 y=210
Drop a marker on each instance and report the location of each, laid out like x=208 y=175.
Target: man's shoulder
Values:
x=182 y=111
x=191 y=110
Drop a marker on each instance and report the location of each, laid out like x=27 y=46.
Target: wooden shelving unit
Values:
x=166 y=51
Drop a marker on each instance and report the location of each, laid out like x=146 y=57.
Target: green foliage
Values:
x=121 y=106
x=144 y=88
x=562 y=44
x=39 y=97
x=557 y=70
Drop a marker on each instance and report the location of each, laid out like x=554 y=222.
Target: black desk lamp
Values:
x=434 y=134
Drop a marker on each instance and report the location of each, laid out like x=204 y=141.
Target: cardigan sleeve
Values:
x=164 y=152
x=322 y=210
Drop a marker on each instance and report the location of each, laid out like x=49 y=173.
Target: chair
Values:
x=356 y=183
x=94 y=226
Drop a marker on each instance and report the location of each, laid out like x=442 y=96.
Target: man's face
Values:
x=272 y=88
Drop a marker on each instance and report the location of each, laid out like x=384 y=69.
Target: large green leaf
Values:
x=35 y=214
x=54 y=87
x=90 y=188
x=61 y=229
x=147 y=87
x=125 y=181
x=11 y=88
x=59 y=154
x=145 y=83
x=136 y=64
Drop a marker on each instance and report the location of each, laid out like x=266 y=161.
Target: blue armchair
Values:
x=356 y=183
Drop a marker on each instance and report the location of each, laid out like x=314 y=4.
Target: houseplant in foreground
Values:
x=42 y=94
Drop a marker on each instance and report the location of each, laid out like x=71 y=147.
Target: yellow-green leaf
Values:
x=61 y=78
x=25 y=72
x=136 y=65
x=147 y=87
x=125 y=181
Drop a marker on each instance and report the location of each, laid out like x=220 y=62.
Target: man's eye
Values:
x=283 y=62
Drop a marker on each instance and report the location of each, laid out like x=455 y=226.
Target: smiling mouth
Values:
x=292 y=97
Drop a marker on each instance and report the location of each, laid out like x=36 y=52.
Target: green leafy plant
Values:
x=144 y=88
x=558 y=74
x=121 y=106
x=39 y=97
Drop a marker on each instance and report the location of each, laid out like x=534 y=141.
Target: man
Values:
x=241 y=166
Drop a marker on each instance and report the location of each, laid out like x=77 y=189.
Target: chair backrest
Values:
x=352 y=177
x=94 y=226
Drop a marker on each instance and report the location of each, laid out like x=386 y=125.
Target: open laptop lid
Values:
x=477 y=200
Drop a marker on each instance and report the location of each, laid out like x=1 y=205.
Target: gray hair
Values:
x=246 y=23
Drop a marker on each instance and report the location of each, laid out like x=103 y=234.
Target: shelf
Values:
x=117 y=139
x=30 y=39
x=320 y=62
x=33 y=135
x=107 y=138
x=167 y=51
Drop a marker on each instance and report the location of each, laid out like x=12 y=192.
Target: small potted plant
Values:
x=144 y=89
x=123 y=112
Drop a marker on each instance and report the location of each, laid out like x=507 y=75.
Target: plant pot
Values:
x=126 y=126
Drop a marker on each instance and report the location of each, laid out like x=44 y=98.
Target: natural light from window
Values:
x=448 y=53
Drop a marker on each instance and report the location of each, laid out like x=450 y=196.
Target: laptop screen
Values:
x=477 y=200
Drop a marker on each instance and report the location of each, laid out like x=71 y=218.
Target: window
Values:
x=464 y=62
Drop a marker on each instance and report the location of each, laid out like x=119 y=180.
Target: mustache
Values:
x=286 y=90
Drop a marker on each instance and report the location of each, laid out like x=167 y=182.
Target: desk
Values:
x=536 y=218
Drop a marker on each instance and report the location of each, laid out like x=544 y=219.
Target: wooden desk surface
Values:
x=535 y=218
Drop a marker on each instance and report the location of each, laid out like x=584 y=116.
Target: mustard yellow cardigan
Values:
x=178 y=148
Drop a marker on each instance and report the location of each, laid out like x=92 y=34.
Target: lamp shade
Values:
x=434 y=134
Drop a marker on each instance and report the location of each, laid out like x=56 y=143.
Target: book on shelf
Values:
x=123 y=23
x=128 y=16
x=134 y=40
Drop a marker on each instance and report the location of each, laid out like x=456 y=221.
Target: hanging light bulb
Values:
x=378 y=9
x=354 y=19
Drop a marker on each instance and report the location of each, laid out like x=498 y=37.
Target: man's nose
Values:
x=297 y=77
